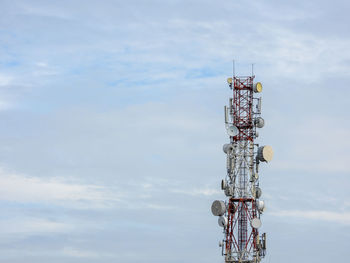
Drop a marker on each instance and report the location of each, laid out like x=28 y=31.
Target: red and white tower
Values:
x=240 y=214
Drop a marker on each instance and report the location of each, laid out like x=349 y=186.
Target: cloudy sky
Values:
x=111 y=127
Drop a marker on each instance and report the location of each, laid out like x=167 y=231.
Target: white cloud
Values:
x=79 y=253
x=197 y=191
x=5 y=80
x=317 y=215
x=67 y=193
x=5 y=105
x=42 y=64
x=28 y=226
x=160 y=207
x=44 y=69
x=312 y=149
x=22 y=188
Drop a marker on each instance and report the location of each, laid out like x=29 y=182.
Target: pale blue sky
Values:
x=111 y=127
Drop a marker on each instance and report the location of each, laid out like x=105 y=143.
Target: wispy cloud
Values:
x=315 y=215
x=79 y=253
x=197 y=191
x=5 y=80
x=29 y=189
x=312 y=150
x=27 y=226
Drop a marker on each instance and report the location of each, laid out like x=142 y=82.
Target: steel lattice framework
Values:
x=242 y=108
x=240 y=214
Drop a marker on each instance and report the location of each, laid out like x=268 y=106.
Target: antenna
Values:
x=240 y=214
x=233 y=69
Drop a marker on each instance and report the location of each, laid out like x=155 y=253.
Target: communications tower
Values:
x=240 y=214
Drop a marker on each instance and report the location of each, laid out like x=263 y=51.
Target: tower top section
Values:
x=241 y=115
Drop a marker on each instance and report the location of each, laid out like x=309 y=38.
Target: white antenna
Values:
x=233 y=68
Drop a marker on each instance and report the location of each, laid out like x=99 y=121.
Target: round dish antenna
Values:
x=222 y=221
x=259 y=122
x=232 y=130
x=227 y=148
x=261 y=206
x=255 y=223
x=218 y=208
x=265 y=153
x=257 y=87
x=257 y=192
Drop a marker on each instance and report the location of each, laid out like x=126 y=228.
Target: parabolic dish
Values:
x=259 y=122
x=258 y=87
x=255 y=223
x=265 y=153
x=227 y=148
x=218 y=208
x=222 y=221
x=261 y=205
x=232 y=130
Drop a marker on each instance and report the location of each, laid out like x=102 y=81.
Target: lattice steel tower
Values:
x=240 y=214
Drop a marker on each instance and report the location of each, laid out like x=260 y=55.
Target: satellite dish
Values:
x=255 y=223
x=261 y=206
x=265 y=153
x=222 y=221
x=232 y=130
x=259 y=122
x=218 y=208
x=258 y=87
x=227 y=148
x=257 y=192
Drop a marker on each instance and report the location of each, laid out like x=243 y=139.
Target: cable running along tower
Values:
x=239 y=215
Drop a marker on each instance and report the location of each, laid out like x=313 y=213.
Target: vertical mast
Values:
x=240 y=214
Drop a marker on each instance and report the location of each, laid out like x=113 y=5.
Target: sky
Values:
x=112 y=126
